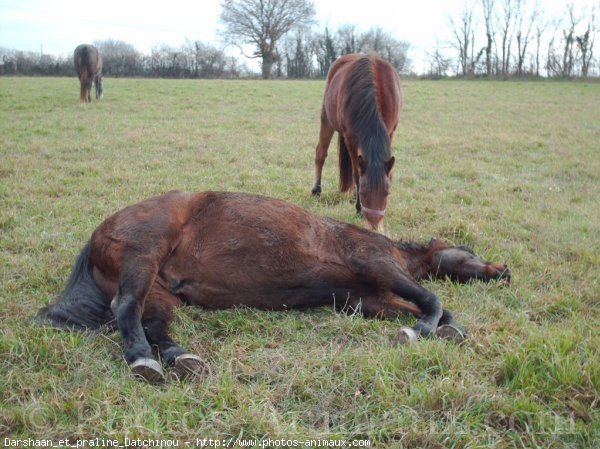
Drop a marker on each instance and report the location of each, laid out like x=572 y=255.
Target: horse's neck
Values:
x=417 y=258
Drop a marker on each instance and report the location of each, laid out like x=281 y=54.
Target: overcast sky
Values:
x=57 y=26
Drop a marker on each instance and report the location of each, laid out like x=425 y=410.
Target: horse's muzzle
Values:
x=374 y=217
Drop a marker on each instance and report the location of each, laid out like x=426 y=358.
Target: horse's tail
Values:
x=85 y=72
x=84 y=77
x=81 y=305
x=345 y=166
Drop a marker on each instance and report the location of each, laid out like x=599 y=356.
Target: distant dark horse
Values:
x=220 y=250
x=88 y=64
x=362 y=102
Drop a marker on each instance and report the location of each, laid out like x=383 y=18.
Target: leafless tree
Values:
x=568 y=59
x=387 y=46
x=462 y=35
x=585 y=44
x=505 y=20
x=562 y=62
x=525 y=18
x=488 y=9
x=348 y=39
x=262 y=23
x=325 y=51
x=539 y=32
x=438 y=62
x=299 y=52
x=119 y=58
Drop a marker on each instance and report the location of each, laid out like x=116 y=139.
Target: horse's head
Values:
x=374 y=188
x=99 y=87
x=461 y=264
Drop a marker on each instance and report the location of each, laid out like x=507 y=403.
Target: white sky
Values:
x=57 y=26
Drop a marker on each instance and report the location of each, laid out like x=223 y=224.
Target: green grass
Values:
x=510 y=168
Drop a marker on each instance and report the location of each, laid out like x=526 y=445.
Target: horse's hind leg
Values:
x=137 y=276
x=325 y=135
x=158 y=314
x=90 y=80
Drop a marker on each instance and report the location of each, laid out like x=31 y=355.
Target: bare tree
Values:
x=325 y=51
x=488 y=9
x=506 y=22
x=119 y=58
x=204 y=60
x=524 y=25
x=262 y=23
x=387 y=46
x=462 y=33
x=348 y=38
x=561 y=60
x=585 y=44
x=438 y=63
x=540 y=29
x=298 y=56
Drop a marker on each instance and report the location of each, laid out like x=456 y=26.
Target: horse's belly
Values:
x=215 y=292
x=221 y=297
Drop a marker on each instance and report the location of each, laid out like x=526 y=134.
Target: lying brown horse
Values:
x=220 y=250
x=88 y=64
x=362 y=102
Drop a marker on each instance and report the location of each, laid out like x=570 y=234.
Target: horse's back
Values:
x=350 y=75
x=390 y=95
x=87 y=56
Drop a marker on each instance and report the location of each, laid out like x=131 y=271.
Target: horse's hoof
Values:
x=316 y=191
x=405 y=335
x=450 y=333
x=190 y=365
x=148 y=369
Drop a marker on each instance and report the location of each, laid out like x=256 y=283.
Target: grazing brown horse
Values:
x=362 y=102
x=88 y=64
x=220 y=250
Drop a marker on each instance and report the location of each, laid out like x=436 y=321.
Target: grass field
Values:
x=509 y=168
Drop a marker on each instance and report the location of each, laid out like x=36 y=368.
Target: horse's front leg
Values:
x=356 y=176
x=390 y=306
x=390 y=277
x=325 y=135
x=449 y=329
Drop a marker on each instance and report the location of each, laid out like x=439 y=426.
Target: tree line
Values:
x=305 y=54
x=518 y=38
x=493 y=38
x=120 y=59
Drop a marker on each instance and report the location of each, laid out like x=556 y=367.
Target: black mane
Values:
x=365 y=120
x=413 y=247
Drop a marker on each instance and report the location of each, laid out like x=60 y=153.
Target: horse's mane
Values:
x=365 y=118
x=413 y=247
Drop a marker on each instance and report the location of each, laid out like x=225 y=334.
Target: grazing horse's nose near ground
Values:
x=374 y=217
x=375 y=221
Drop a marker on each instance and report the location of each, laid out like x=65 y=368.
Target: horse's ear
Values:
x=438 y=244
x=362 y=165
x=389 y=165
